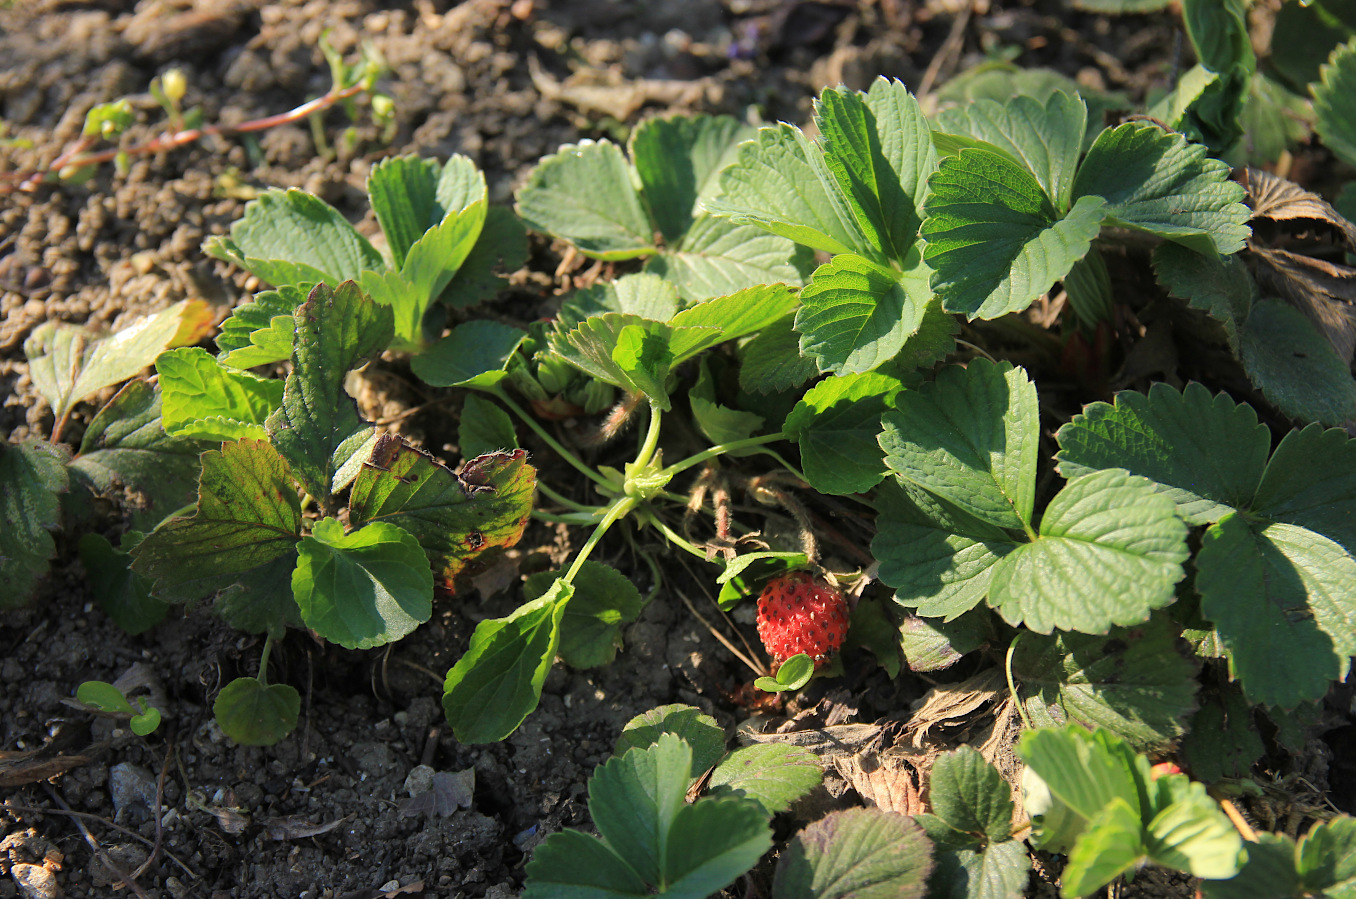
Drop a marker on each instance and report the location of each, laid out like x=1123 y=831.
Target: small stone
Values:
x=419 y=780
x=35 y=882
x=131 y=786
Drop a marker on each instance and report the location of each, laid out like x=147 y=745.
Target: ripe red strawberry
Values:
x=799 y=612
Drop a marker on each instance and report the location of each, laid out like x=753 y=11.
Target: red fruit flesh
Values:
x=799 y=612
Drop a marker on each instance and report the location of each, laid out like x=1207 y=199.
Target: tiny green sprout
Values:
x=107 y=698
x=794 y=674
x=108 y=120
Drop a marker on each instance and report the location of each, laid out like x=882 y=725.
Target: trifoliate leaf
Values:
x=994 y=240
x=771 y=362
x=781 y=184
x=363 y=589
x=678 y=160
x=604 y=600
x=32 y=474
x=497 y=682
x=68 y=363
x=584 y=193
x=454 y=518
x=248 y=514
x=855 y=854
x=699 y=731
x=317 y=428
x=856 y=316
x=970 y=437
x=256 y=714
x=411 y=195
x=877 y=146
x=836 y=424
x=1295 y=365
x=476 y=354
x=1134 y=683
x=260 y=332
x=1110 y=550
x=483 y=428
x=123 y=595
x=1154 y=180
x=1279 y=592
x=773 y=775
x=1045 y=137
x=711 y=843
x=290 y=237
x=126 y=444
x=1172 y=438
x=717 y=257
x=202 y=398
x=1335 y=103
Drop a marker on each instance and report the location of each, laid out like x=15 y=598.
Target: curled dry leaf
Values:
x=1275 y=198
x=887 y=780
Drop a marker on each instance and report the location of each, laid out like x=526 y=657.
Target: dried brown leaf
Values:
x=1275 y=198
x=955 y=703
x=1323 y=291
x=296 y=827
x=19 y=768
x=887 y=780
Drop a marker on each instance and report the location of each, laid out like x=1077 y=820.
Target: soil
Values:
x=505 y=82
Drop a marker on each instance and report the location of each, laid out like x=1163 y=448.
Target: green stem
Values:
x=1012 y=684
x=263 y=660
x=618 y=510
x=576 y=518
x=676 y=539
x=547 y=438
x=562 y=500
x=784 y=464
x=651 y=440
x=720 y=450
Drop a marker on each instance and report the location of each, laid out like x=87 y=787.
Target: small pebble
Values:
x=35 y=882
x=131 y=786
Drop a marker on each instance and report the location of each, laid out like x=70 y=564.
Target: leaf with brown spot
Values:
x=454 y=518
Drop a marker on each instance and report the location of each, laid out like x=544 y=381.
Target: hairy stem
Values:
x=550 y=441
x=615 y=512
x=720 y=450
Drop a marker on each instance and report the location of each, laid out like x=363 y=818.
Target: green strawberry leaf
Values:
x=202 y=398
x=792 y=675
x=584 y=193
x=68 y=363
x=738 y=315
x=411 y=195
x=971 y=797
x=1110 y=845
x=256 y=714
x=1222 y=739
x=856 y=315
x=1335 y=103
x=994 y=240
x=643 y=294
x=717 y=257
x=127 y=444
x=1310 y=482
x=699 y=731
x=1269 y=873
x=862 y=853
x=1154 y=180
x=248 y=514
x=484 y=428
x=502 y=247
x=603 y=601
x=771 y=362
x=623 y=350
x=33 y=474
x=260 y=332
x=970 y=437
x=476 y=354
x=773 y=775
x=719 y=423
x=497 y=683
x=455 y=519
x=1326 y=858
x=123 y=595
x=1107 y=535
x=836 y=424
x=1134 y=682
x=290 y=237
x=1295 y=365
x=1190 y=832
x=317 y=428
x=932 y=645
x=570 y=863
x=260 y=600
x=678 y=160
x=1072 y=774
x=1219 y=285
x=1045 y=137
x=1000 y=871
x=363 y=589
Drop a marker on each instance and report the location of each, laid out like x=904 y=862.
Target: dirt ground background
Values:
x=504 y=82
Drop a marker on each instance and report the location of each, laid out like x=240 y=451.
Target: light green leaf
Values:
x=583 y=193
x=678 y=160
x=906 y=145
x=202 y=398
x=717 y=257
x=123 y=596
x=765 y=563
x=1045 y=137
x=32 y=475
x=363 y=589
x=1296 y=366
x=740 y=314
x=248 y=514
x=792 y=675
x=260 y=332
x=1335 y=103
x=1173 y=438
x=1110 y=846
x=1134 y=682
x=970 y=437
x=856 y=316
x=699 y=731
x=781 y=184
x=68 y=363
x=287 y=237
x=771 y=362
x=411 y=195
x=771 y=774
x=1193 y=834
x=593 y=345
x=1326 y=859
x=643 y=294
x=1154 y=180
x=497 y=682
x=476 y=354
x=483 y=428
x=1072 y=774
x=836 y=424
x=603 y=601
x=1277 y=591
x=1121 y=7
x=256 y=714
x=317 y=428
x=1110 y=551
x=855 y=854
x=994 y=241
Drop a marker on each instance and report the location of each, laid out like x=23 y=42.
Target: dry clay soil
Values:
x=321 y=813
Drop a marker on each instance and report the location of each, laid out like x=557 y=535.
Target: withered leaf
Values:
x=887 y=780
x=1275 y=198
x=296 y=827
x=1323 y=291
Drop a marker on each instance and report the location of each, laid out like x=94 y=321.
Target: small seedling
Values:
x=109 y=699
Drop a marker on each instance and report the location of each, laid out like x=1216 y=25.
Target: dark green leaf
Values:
x=501 y=247
x=1327 y=858
x=1311 y=482
x=971 y=797
x=571 y=864
x=31 y=476
x=476 y=354
x=719 y=423
x=771 y=362
x=1000 y=871
x=836 y=425
x=484 y=428
x=256 y=714
x=124 y=596
x=678 y=160
x=1295 y=365
x=773 y=775
x=1269 y=873
x=603 y=601
x=930 y=644
x=1219 y=285
x=855 y=854
x=1335 y=103
x=699 y=731
x=1222 y=738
